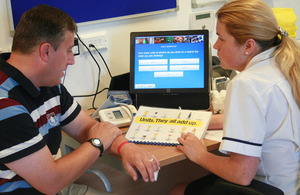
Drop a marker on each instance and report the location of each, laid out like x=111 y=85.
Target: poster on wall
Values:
x=94 y=11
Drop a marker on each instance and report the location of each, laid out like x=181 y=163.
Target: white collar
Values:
x=265 y=55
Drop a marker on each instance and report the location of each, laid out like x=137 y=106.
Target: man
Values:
x=34 y=107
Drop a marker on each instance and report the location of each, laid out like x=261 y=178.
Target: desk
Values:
x=175 y=168
x=170 y=154
x=165 y=154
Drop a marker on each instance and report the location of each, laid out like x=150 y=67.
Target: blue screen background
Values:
x=190 y=79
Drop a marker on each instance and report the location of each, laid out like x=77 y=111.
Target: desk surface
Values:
x=165 y=154
x=170 y=154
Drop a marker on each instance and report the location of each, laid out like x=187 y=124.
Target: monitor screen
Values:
x=169 y=62
x=173 y=61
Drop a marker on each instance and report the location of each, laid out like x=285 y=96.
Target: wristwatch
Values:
x=97 y=143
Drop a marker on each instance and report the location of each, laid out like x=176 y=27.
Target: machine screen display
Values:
x=118 y=114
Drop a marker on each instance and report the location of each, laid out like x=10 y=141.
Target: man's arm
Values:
x=42 y=171
x=85 y=127
x=132 y=155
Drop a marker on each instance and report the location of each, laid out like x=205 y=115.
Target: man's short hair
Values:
x=39 y=24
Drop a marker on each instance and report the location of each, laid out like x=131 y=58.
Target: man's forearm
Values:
x=116 y=143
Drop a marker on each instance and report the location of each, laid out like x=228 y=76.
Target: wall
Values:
x=81 y=78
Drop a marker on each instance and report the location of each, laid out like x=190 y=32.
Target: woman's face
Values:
x=232 y=56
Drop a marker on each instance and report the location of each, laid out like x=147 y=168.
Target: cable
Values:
x=99 y=72
x=63 y=81
x=126 y=106
x=92 y=45
x=91 y=94
x=131 y=114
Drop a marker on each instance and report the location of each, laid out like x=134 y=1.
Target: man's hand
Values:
x=136 y=157
x=106 y=131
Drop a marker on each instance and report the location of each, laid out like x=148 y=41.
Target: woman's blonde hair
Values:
x=253 y=19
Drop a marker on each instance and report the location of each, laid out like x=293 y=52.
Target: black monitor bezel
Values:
x=203 y=90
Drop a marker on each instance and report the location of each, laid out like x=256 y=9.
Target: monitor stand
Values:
x=192 y=101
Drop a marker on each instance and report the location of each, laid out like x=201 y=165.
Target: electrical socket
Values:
x=99 y=41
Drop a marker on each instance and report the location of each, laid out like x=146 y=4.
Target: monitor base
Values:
x=192 y=101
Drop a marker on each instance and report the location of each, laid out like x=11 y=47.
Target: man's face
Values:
x=60 y=59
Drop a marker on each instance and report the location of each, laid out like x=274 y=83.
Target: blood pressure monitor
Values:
x=120 y=116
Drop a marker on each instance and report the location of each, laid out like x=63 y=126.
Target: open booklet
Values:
x=162 y=126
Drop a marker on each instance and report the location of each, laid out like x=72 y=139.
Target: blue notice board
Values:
x=92 y=10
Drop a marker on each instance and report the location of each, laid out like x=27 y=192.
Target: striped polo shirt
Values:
x=30 y=118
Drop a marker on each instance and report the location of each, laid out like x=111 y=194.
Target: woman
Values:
x=261 y=117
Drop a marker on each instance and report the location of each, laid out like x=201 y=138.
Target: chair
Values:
x=255 y=188
x=67 y=144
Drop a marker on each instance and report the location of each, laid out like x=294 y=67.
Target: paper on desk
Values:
x=215 y=135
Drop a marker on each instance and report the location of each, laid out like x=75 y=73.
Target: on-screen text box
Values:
x=185 y=61
x=153 y=62
x=185 y=67
x=153 y=68
x=168 y=74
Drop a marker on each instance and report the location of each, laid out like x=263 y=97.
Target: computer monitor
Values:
x=170 y=68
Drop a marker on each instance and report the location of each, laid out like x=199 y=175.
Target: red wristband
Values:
x=122 y=144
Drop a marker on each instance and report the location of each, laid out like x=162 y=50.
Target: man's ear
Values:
x=44 y=51
x=250 y=46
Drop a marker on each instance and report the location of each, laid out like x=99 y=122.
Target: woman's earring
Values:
x=246 y=53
